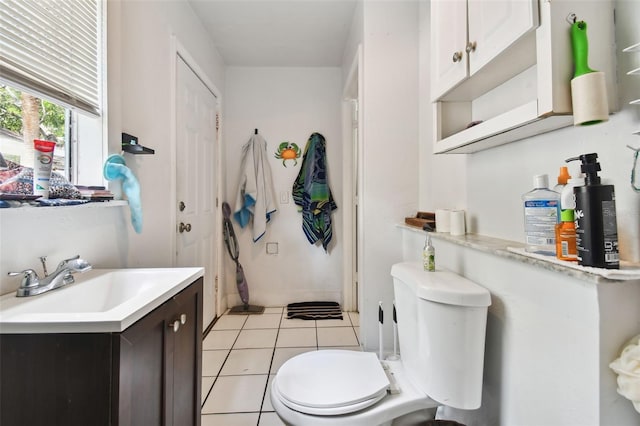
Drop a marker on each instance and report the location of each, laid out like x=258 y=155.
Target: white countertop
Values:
x=100 y=301
x=515 y=251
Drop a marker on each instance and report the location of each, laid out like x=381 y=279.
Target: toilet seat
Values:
x=392 y=406
x=331 y=382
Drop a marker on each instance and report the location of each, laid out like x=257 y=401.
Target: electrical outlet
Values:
x=272 y=248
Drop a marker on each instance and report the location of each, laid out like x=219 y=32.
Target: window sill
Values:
x=91 y=205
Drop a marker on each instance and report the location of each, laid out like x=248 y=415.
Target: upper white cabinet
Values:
x=501 y=69
x=493 y=26
x=449 y=62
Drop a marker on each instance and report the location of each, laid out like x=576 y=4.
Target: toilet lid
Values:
x=334 y=411
x=331 y=382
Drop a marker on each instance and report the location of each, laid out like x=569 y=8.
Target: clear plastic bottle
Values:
x=429 y=255
x=541 y=214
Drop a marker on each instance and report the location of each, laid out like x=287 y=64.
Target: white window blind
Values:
x=53 y=48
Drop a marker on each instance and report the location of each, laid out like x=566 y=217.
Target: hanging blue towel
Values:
x=312 y=193
x=256 y=198
x=115 y=168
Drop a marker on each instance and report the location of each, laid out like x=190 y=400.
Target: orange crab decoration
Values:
x=288 y=151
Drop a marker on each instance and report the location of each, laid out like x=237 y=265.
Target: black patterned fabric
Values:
x=18 y=180
x=314 y=310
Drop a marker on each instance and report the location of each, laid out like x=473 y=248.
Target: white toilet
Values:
x=441 y=328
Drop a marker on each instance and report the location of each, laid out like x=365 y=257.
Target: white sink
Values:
x=101 y=300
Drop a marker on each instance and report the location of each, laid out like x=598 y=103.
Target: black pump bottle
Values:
x=595 y=217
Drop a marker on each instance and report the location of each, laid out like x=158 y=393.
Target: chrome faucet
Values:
x=32 y=285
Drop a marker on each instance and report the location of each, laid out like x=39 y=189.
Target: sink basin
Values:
x=101 y=300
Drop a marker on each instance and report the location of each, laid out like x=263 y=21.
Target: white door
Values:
x=196 y=146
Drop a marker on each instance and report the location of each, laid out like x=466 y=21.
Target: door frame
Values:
x=352 y=238
x=179 y=51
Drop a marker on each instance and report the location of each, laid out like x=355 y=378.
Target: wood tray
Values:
x=421 y=219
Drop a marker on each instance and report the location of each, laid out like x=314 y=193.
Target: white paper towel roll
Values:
x=443 y=220
x=457 y=222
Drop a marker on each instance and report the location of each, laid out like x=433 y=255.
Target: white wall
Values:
x=144 y=84
x=442 y=178
x=285 y=104
x=94 y=232
x=139 y=59
x=389 y=160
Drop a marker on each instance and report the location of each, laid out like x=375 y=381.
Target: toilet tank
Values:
x=442 y=320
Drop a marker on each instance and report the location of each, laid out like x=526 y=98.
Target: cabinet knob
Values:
x=175 y=325
x=184 y=227
x=183 y=319
x=471 y=47
x=457 y=57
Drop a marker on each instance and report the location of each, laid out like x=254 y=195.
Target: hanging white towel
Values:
x=256 y=198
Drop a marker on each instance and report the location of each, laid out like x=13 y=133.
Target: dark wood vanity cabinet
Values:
x=147 y=375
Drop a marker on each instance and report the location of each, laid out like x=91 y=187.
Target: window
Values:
x=23 y=117
x=51 y=83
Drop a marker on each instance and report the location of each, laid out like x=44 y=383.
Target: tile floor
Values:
x=241 y=354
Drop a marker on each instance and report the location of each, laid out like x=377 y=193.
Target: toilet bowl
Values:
x=441 y=330
x=363 y=405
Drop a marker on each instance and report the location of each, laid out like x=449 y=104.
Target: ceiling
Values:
x=283 y=33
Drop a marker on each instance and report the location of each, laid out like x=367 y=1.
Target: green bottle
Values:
x=429 y=255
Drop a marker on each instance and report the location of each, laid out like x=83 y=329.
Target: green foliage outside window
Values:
x=51 y=116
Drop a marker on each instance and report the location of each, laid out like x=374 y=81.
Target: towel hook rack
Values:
x=130 y=145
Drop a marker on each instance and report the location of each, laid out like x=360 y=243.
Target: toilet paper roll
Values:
x=443 y=220
x=457 y=222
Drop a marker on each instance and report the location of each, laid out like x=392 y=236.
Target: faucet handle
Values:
x=29 y=277
x=64 y=262
x=43 y=260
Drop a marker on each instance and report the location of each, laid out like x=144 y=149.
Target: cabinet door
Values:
x=448 y=42
x=184 y=356
x=159 y=376
x=141 y=374
x=55 y=379
x=495 y=25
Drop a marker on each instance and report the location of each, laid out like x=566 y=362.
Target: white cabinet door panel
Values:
x=495 y=25
x=448 y=38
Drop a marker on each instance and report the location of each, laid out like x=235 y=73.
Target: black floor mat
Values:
x=314 y=310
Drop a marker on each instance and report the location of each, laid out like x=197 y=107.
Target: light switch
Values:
x=284 y=197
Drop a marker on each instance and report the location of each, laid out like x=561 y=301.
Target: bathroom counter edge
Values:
x=500 y=247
